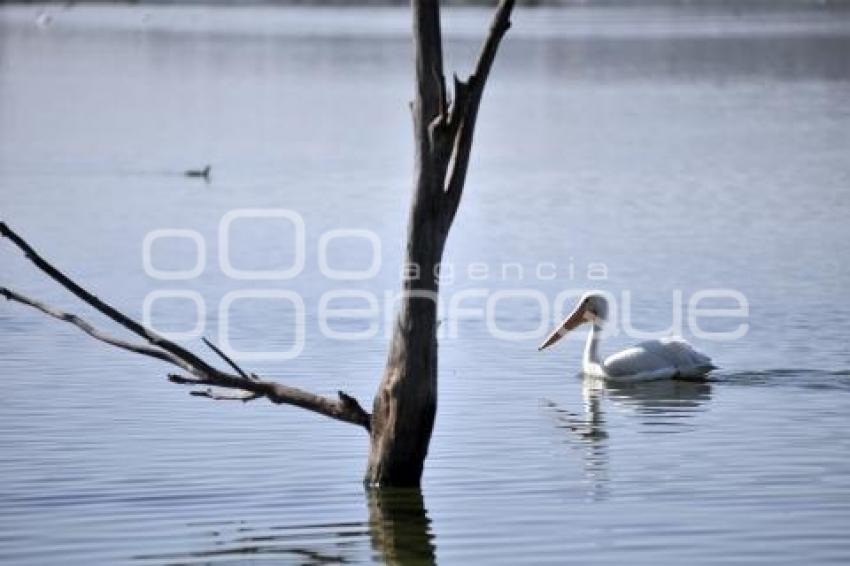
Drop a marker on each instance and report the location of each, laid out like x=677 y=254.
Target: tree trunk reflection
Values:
x=399 y=526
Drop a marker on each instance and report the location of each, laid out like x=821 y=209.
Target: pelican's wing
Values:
x=678 y=353
x=638 y=364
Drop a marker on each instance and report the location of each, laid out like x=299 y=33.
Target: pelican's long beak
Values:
x=575 y=318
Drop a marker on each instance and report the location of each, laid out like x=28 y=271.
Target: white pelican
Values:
x=667 y=358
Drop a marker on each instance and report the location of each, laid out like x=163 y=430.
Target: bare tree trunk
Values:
x=406 y=402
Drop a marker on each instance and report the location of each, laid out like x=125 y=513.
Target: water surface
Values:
x=683 y=149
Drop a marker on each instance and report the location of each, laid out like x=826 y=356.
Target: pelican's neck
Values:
x=590 y=361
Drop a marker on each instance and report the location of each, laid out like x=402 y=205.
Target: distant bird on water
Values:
x=200 y=173
x=43 y=19
x=668 y=358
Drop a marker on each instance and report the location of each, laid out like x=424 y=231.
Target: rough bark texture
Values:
x=406 y=402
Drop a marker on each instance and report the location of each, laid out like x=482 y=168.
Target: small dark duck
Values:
x=200 y=173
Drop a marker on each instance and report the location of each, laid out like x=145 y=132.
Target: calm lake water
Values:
x=666 y=151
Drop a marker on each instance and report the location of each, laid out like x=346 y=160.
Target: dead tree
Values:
x=406 y=401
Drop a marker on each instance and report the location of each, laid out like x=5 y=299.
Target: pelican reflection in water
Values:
x=661 y=406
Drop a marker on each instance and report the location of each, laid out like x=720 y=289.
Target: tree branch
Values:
x=119 y=317
x=345 y=408
x=464 y=110
x=210 y=394
x=227 y=359
x=430 y=105
x=86 y=327
x=428 y=44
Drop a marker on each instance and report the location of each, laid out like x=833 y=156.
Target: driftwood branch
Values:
x=345 y=408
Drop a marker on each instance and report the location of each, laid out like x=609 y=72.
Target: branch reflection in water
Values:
x=398 y=531
x=660 y=405
x=333 y=543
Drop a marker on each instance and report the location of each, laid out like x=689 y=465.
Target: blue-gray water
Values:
x=683 y=149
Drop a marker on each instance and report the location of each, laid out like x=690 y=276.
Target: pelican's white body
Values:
x=666 y=358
